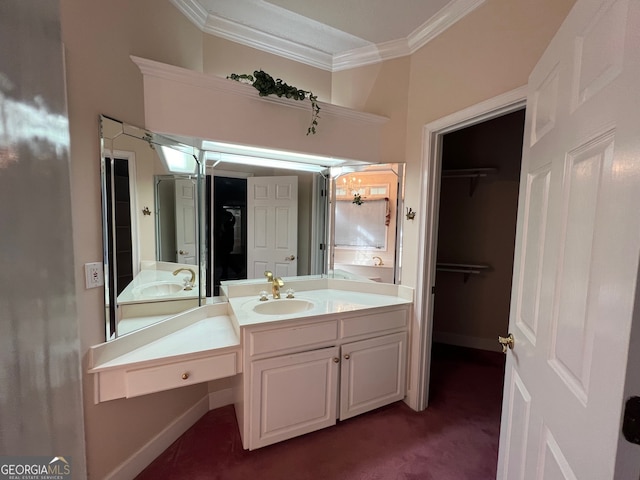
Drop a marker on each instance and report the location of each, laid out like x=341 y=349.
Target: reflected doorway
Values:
x=229 y=230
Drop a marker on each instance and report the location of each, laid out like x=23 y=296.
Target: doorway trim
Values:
x=430 y=172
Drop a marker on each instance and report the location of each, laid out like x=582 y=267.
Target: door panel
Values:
x=186 y=234
x=292 y=395
x=372 y=374
x=272 y=226
x=577 y=250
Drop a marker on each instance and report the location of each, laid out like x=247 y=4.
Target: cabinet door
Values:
x=372 y=374
x=292 y=395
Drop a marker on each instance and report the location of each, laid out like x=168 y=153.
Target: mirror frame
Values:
x=108 y=234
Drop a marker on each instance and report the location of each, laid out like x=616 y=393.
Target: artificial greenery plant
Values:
x=266 y=85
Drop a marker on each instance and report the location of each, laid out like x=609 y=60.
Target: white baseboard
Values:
x=158 y=444
x=466 y=341
x=221 y=398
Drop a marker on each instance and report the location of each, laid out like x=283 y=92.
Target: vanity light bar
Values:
x=261 y=162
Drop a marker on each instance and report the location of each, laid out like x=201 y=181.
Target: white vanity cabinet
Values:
x=302 y=375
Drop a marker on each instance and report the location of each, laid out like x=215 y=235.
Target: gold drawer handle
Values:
x=336 y=360
x=347 y=356
x=185 y=375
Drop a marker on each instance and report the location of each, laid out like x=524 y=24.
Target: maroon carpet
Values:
x=456 y=438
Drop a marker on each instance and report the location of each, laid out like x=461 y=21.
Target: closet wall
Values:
x=477 y=227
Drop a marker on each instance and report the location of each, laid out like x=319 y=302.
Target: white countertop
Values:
x=325 y=302
x=215 y=328
x=196 y=332
x=159 y=275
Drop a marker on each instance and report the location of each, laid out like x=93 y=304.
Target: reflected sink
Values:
x=283 y=307
x=158 y=289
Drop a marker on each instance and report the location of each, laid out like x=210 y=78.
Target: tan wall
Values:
x=487 y=53
x=382 y=89
x=101 y=78
x=222 y=58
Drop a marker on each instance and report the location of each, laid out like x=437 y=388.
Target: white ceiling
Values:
x=328 y=34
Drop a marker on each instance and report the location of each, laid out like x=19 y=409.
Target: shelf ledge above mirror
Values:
x=196 y=105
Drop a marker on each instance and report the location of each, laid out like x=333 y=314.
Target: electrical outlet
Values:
x=93 y=274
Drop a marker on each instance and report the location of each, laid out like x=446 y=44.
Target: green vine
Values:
x=266 y=85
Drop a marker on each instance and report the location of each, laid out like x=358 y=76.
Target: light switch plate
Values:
x=94 y=276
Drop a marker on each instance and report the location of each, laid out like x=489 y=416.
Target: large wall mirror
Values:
x=179 y=219
x=152 y=190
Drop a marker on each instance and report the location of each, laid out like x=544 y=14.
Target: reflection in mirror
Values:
x=366 y=225
x=151 y=188
x=172 y=233
x=253 y=231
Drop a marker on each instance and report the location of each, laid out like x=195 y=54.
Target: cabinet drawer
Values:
x=373 y=323
x=164 y=377
x=292 y=338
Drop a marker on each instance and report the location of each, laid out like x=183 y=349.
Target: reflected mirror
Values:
x=366 y=227
x=151 y=198
x=266 y=218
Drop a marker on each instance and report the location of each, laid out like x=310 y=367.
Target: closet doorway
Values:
x=457 y=269
x=478 y=200
x=474 y=261
x=476 y=231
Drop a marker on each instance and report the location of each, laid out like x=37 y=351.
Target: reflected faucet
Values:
x=276 y=283
x=192 y=281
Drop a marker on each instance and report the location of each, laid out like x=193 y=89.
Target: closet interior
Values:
x=476 y=232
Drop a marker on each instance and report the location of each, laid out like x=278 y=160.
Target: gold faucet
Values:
x=192 y=280
x=378 y=262
x=276 y=283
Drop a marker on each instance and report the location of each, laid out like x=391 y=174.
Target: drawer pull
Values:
x=347 y=356
x=336 y=360
x=185 y=375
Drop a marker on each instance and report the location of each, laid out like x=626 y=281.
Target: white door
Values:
x=577 y=244
x=186 y=233
x=272 y=226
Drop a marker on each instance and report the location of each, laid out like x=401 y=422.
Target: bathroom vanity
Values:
x=338 y=348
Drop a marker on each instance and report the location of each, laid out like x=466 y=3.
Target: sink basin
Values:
x=158 y=289
x=283 y=307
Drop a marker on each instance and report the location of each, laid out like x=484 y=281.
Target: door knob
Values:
x=507 y=341
x=183 y=252
x=291 y=258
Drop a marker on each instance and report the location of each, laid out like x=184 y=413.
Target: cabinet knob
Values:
x=347 y=356
x=336 y=360
x=185 y=375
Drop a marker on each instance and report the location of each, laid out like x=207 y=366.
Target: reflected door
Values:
x=186 y=233
x=272 y=226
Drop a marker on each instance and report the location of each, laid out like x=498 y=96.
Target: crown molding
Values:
x=441 y=21
x=367 y=55
x=267 y=42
